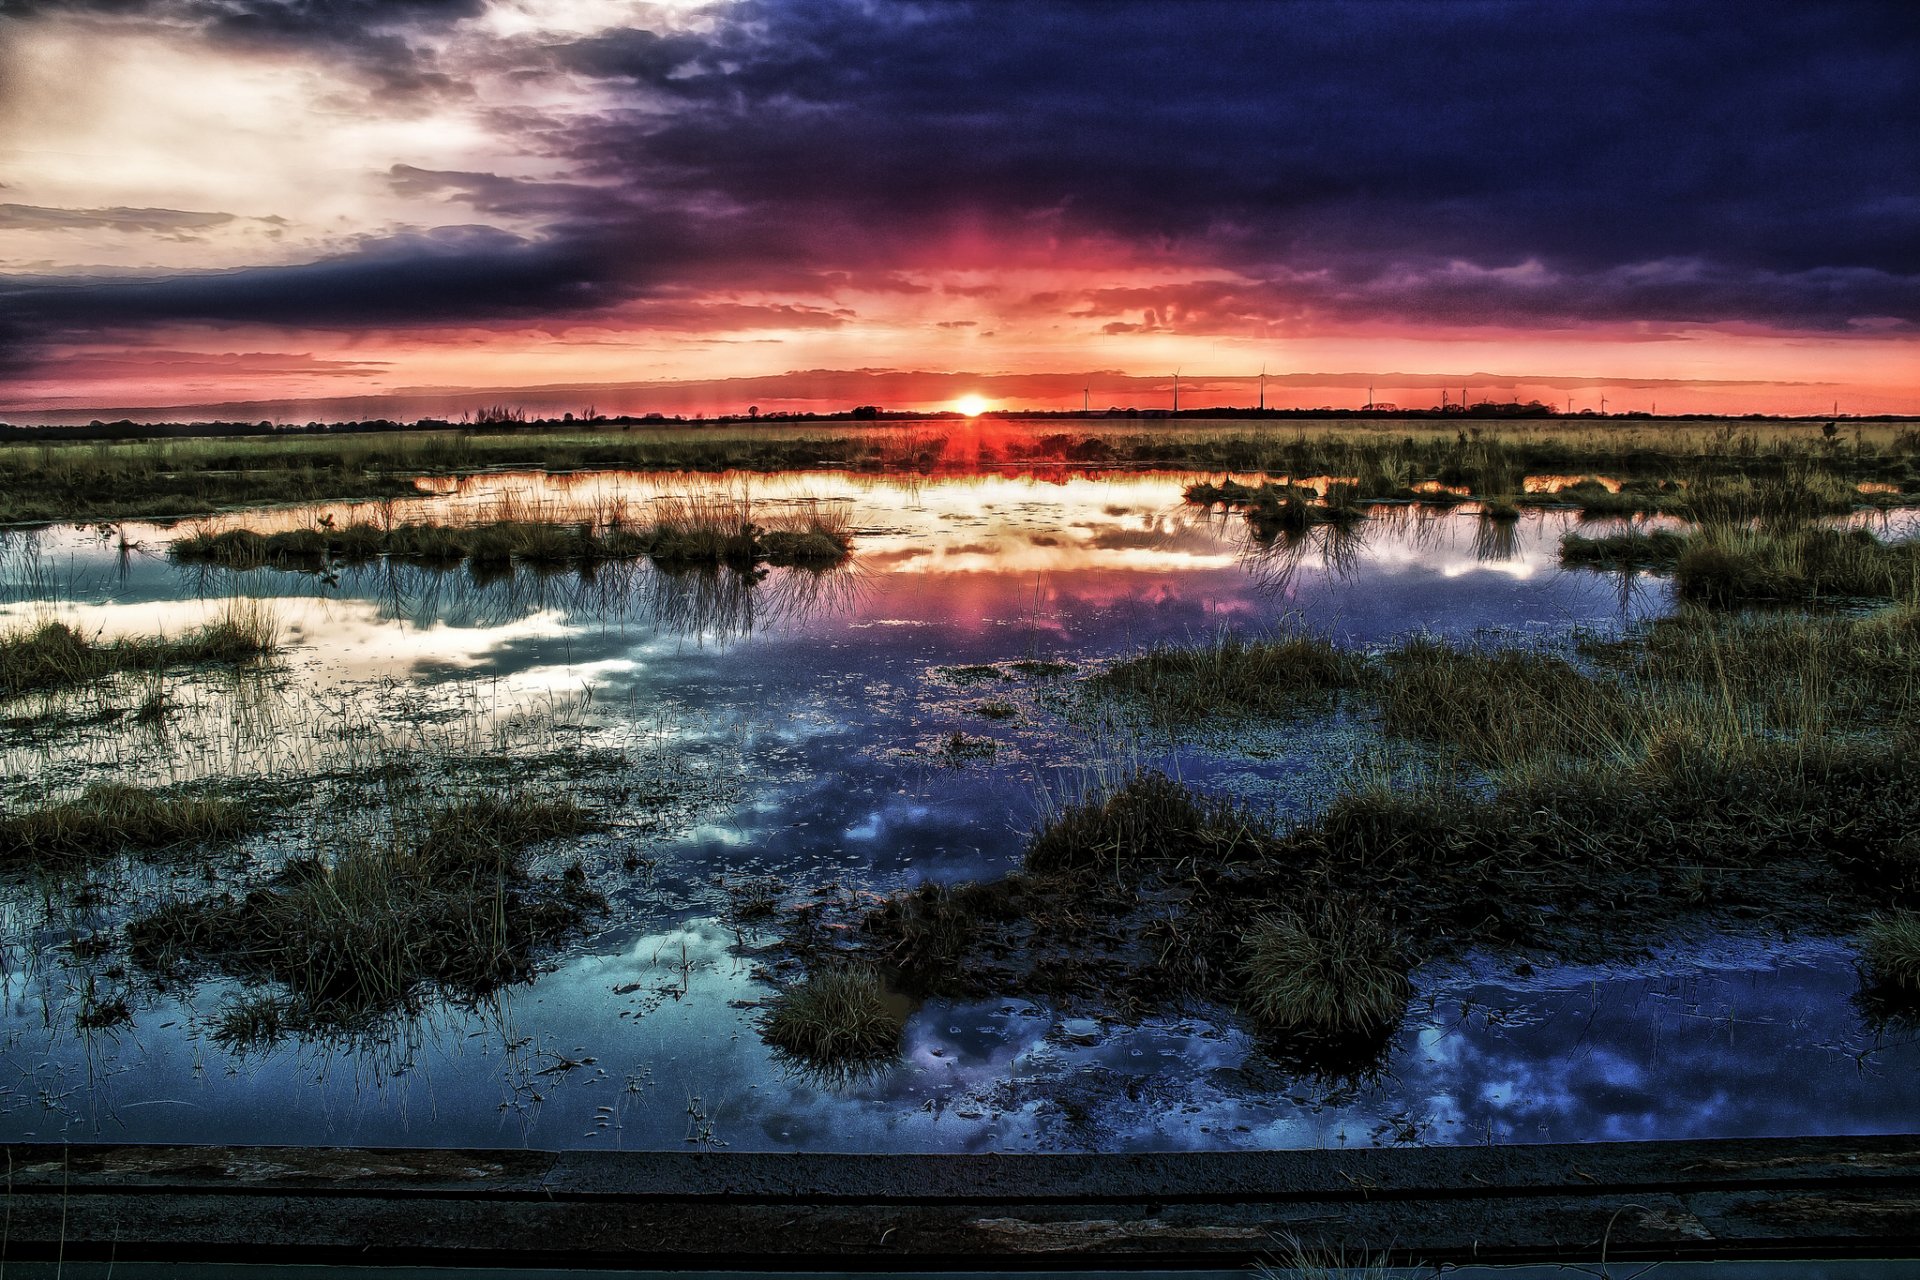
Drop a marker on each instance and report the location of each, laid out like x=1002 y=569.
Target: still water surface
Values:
x=802 y=724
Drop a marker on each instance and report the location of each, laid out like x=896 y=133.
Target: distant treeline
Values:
x=127 y=429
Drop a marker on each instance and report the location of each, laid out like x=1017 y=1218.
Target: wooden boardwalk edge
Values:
x=1747 y=1198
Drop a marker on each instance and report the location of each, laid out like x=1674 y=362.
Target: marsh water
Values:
x=843 y=735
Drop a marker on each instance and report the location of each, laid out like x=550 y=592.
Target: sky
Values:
x=295 y=209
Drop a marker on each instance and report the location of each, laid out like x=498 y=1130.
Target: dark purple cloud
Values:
x=448 y=275
x=1770 y=136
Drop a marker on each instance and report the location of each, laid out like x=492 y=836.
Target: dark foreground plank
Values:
x=1782 y=1197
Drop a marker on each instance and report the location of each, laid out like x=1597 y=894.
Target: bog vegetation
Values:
x=1733 y=564
x=1578 y=798
x=108 y=816
x=434 y=895
x=1570 y=801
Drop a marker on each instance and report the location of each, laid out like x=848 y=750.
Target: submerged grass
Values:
x=108 y=817
x=55 y=655
x=1231 y=673
x=441 y=898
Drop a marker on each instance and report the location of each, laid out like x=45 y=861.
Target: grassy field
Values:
x=181 y=477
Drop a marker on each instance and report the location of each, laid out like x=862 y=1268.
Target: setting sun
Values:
x=971 y=405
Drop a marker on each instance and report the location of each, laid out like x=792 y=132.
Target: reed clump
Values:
x=684 y=533
x=108 y=816
x=1274 y=509
x=1633 y=549
x=443 y=899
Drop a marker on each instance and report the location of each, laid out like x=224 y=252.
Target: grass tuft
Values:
x=1274 y=509
x=1148 y=819
x=840 y=1017
x=1498 y=706
x=1724 y=565
x=1339 y=971
x=1658 y=549
x=1890 y=956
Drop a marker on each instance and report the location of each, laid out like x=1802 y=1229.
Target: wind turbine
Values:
x=1263 y=388
x=1176 y=391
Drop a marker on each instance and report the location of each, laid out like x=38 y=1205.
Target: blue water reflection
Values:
x=824 y=700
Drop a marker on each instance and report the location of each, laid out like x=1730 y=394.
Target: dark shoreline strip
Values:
x=1775 y=1197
